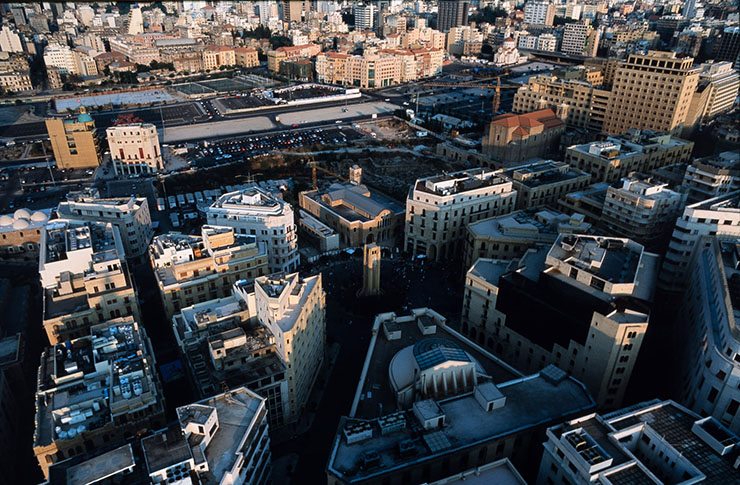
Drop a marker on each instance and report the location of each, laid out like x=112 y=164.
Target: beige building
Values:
x=130 y=215
x=331 y=68
x=216 y=57
x=84 y=277
x=275 y=57
x=373 y=71
x=619 y=156
x=74 y=141
x=640 y=93
x=134 y=149
x=380 y=68
x=20 y=232
x=581 y=305
x=15 y=81
x=513 y=138
x=294 y=310
x=357 y=215
x=194 y=269
x=245 y=57
x=95 y=390
x=543 y=183
x=715 y=94
x=713 y=176
x=580 y=39
x=439 y=207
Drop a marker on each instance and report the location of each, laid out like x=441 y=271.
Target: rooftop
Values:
x=355 y=202
x=165 y=449
x=251 y=201
x=529 y=123
x=102 y=466
x=611 y=259
x=631 y=144
x=543 y=173
x=530 y=224
x=459 y=182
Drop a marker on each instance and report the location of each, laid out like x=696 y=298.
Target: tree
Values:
x=558 y=21
x=277 y=41
x=488 y=14
x=261 y=32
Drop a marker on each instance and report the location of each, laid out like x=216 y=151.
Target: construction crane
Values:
x=496 y=95
x=315 y=166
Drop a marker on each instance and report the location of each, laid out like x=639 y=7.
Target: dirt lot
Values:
x=389 y=129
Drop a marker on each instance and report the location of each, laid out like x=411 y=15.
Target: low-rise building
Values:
x=325 y=237
x=620 y=156
x=713 y=176
x=74 y=141
x=356 y=214
x=15 y=81
x=216 y=57
x=509 y=236
x=582 y=305
x=20 y=232
x=245 y=57
x=439 y=207
x=544 y=182
x=275 y=57
x=194 y=269
x=95 y=389
x=651 y=442
x=134 y=148
x=259 y=213
x=431 y=404
x=130 y=215
x=84 y=278
x=512 y=138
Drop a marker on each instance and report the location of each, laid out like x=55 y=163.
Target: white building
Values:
x=134 y=148
x=130 y=215
x=714 y=176
x=575 y=36
x=507 y=54
x=10 y=41
x=527 y=41
x=539 y=13
x=721 y=84
x=259 y=213
x=365 y=16
x=135 y=21
x=61 y=57
x=439 y=207
x=547 y=43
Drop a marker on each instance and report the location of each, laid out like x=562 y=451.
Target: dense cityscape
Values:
x=370 y=242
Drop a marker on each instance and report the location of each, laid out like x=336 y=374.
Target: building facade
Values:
x=134 y=149
x=74 y=141
x=543 y=183
x=513 y=138
x=452 y=13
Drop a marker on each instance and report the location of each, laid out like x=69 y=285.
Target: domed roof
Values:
x=6 y=220
x=84 y=118
x=21 y=223
x=430 y=352
x=38 y=216
x=21 y=213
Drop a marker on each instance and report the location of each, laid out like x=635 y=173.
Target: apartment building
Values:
x=10 y=41
x=547 y=42
x=275 y=57
x=331 y=68
x=539 y=13
x=135 y=149
x=513 y=138
x=357 y=215
x=365 y=15
x=194 y=269
x=640 y=93
x=74 y=141
x=20 y=232
x=452 y=13
x=293 y=309
x=15 y=81
x=439 y=207
x=544 y=182
x=95 y=389
x=582 y=305
x=645 y=443
x=216 y=57
x=84 y=277
x=579 y=103
x=245 y=57
x=716 y=92
x=432 y=404
x=373 y=70
x=69 y=61
x=619 y=156
x=259 y=213
x=509 y=236
x=129 y=215
x=719 y=216
x=713 y=176
x=580 y=39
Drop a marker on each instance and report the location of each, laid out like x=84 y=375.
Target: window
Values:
x=712 y=395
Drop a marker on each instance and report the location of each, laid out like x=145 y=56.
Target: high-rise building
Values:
x=639 y=95
x=580 y=39
x=439 y=207
x=716 y=92
x=582 y=305
x=10 y=41
x=74 y=141
x=651 y=442
x=84 y=277
x=135 y=21
x=452 y=13
x=365 y=16
x=293 y=10
x=96 y=389
x=192 y=269
x=539 y=13
x=130 y=215
x=729 y=45
x=134 y=149
x=257 y=212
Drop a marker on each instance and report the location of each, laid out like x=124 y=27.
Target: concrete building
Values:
x=638 y=97
x=275 y=57
x=95 y=389
x=513 y=138
x=20 y=232
x=84 y=278
x=509 y=236
x=15 y=82
x=292 y=10
x=370 y=270
x=716 y=92
x=325 y=238
x=10 y=41
x=651 y=442
x=192 y=269
x=439 y=207
x=74 y=141
x=294 y=310
x=579 y=103
x=619 y=156
x=365 y=16
x=245 y=57
x=539 y=13
x=714 y=176
x=129 y=215
x=134 y=149
x=216 y=57
x=582 y=305
x=431 y=404
x=719 y=216
x=452 y=13
x=542 y=183
x=356 y=214
x=257 y=212
x=580 y=39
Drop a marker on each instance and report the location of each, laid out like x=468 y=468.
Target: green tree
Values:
x=277 y=41
x=558 y=21
x=488 y=14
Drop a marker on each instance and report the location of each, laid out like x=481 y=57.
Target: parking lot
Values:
x=242 y=149
x=39 y=187
x=305 y=93
x=240 y=103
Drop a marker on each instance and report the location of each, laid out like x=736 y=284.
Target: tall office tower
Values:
x=718 y=87
x=580 y=39
x=729 y=46
x=292 y=10
x=135 y=21
x=365 y=16
x=259 y=213
x=452 y=13
x=651 y=91
x=539 y=13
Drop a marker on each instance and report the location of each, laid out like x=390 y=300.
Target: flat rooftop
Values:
x=543 y=173
x=102 y=466
x=529 y=224
x=612 y=259
x=165 y=449
x=459 y=182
